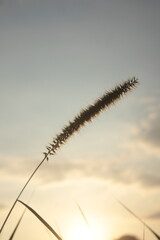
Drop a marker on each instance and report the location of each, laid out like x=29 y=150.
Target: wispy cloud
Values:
x=125 y=171
x=2 y=206
x=148 y=179
x=151 y=131
x=148 y=130
x=155 y=215
x=139 y=164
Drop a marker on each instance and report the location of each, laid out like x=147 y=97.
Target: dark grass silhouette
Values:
x=139 y=219
x=127 y=237
x=86 y=115
x=20 y=220
x=42 y=220
x=83 y=215
x=89 y=113
x=17 y=226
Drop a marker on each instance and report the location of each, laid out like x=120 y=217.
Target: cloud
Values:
x=125 y=171
x=13 y=166
x=133 y=166
x=143 y=148
x=155 y=215
x=149 y=128
x=2 y=206
x=151 y=133
x=149 y=180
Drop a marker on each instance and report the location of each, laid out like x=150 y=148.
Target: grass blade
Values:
x=18 y=223
x=138 y=218
x=144 y=231
x=16 y=227
x=83 y=215
x=42 y=220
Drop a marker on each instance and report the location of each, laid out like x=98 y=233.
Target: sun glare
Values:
x=84 y=232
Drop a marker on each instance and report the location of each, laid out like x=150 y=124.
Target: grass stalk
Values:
x=11 y=209
x=86 y=115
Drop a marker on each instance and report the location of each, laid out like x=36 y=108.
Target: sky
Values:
x=56 y=57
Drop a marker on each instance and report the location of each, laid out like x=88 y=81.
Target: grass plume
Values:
x=89 y=113
x=86 y=115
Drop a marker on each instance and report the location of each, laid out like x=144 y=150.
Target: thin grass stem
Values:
x=29 y=179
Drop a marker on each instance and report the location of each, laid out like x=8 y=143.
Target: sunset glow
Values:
x=56 y=58
x=80 y=232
